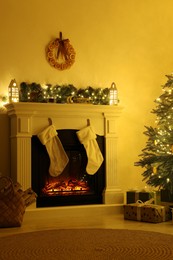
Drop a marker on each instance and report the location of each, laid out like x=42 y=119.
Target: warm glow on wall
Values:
x=3 y=101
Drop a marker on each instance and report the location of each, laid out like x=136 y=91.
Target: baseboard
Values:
x=84 y=210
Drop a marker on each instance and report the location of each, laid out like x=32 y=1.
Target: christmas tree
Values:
x=157 y=156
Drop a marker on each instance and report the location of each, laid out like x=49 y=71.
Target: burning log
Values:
x=83 y=184
x=72 y=183
x=55 y=185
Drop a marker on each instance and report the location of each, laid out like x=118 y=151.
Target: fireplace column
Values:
x=112 y=193
x=21 y=150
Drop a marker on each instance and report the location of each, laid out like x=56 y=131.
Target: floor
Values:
x=95 y=216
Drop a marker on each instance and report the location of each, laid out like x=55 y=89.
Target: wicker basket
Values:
x=12 y=205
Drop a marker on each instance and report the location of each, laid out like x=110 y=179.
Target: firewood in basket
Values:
x=30 y=199
x=17 y=187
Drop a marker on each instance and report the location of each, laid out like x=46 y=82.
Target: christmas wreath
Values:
x=60 y=53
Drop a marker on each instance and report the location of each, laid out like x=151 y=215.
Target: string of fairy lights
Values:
x=164 y=120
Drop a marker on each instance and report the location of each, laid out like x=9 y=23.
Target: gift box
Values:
x=156 y=195
x=132 y=211
x=166 y=196
x=133 y=196
x=152 y=213
x=155 y=213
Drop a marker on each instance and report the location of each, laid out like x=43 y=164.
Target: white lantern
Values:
x=113 y=95
x=13 y=91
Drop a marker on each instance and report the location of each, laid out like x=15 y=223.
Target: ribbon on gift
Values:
x=139 y=204
x=149 y=204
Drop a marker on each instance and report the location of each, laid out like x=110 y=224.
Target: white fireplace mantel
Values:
x=27 y=119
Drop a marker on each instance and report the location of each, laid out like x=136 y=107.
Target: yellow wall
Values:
x=126 y=41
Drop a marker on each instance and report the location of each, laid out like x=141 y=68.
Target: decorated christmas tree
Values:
x=157 y=156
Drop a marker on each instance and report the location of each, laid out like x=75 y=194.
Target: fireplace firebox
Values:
x=73 y=186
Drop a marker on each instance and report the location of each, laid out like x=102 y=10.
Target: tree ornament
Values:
x=60 y=53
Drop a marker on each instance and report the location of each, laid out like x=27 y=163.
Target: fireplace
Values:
x=73 y=186
x=28 y=119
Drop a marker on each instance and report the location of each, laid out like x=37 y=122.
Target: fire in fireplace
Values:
x=67 y=186
x=73 y=186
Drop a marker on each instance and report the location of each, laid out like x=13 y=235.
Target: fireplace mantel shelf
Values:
x=28 y=119
x=42 y=108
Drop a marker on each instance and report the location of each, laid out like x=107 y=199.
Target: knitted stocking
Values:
x=88 y=138
x=57 y=154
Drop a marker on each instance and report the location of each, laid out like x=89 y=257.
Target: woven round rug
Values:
x=87 y=244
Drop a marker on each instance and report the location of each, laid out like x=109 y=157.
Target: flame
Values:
x=65 y=187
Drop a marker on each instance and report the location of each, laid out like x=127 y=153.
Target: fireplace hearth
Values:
x=28 y=119
x=73 y=186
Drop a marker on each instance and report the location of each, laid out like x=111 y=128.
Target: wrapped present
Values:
x=147 y=212
x=155 y=213
x=166 y=196
x=133 y=196
x=156 y=195
x=132 y=211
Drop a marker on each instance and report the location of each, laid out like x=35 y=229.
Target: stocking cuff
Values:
x=86 y=134
x=47 y=134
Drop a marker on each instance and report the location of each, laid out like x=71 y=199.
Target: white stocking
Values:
x=57 y=154
x=88 y=138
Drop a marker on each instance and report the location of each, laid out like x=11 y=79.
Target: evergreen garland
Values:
x=63 y=94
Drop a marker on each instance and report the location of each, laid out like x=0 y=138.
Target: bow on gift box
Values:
x=148 y=203
x=147 y=211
